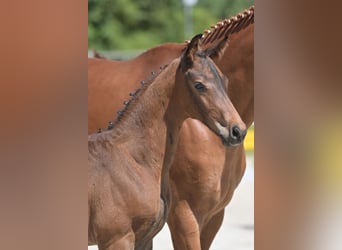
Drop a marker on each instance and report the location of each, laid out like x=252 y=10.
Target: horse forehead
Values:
x=207 y=68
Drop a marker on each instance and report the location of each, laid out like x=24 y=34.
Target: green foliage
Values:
x=133 y=24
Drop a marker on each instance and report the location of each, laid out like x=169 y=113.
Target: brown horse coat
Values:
x=110 y=82
x=128 y=187
x=202 y=167
x=204 y=174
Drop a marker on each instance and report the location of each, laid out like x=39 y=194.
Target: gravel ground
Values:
x=237 y=230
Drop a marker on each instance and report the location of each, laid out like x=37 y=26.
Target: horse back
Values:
x=110 y=81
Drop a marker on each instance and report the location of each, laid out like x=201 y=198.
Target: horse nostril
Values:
x=236 y=133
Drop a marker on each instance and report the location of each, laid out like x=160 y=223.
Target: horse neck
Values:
x=238 y=64
x=153 y=123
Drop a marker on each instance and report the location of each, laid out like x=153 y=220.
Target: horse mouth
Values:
x=223 y=132
x=228 y=142
x=229 y=136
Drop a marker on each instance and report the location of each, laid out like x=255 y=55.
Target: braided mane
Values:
x=219 y=30
x=133 y=97
x=228 y=26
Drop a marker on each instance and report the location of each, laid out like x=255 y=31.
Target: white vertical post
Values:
x=188 y=22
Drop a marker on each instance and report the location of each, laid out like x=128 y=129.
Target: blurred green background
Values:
x=138 y=25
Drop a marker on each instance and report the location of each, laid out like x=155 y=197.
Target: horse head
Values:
x=207 y=87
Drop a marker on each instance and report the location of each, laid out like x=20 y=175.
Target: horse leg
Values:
x=210 y=230
x=149 y=245
x=124 y=243
x=184 y=227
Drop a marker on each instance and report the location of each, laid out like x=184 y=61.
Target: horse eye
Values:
x=199 y=86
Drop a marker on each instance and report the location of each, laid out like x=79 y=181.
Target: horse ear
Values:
x=190 y=52
x=218 y=49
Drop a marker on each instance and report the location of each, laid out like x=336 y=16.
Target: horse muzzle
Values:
x=231 y=135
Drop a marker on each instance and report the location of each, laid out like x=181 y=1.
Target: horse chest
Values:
x=232 y=172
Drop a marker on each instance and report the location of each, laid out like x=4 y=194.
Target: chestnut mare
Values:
x=128 y=165
x=202 y=182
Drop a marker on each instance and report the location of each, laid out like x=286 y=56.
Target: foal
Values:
x=203 y=184
x=128 y=170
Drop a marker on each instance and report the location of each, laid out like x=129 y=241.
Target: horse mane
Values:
x=220 y=30
x=228 y=26
x=133 y=97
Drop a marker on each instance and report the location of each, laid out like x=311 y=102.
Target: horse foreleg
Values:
x=184 y=227
x=126 y=242
x=210 y=230
x=149 y=245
